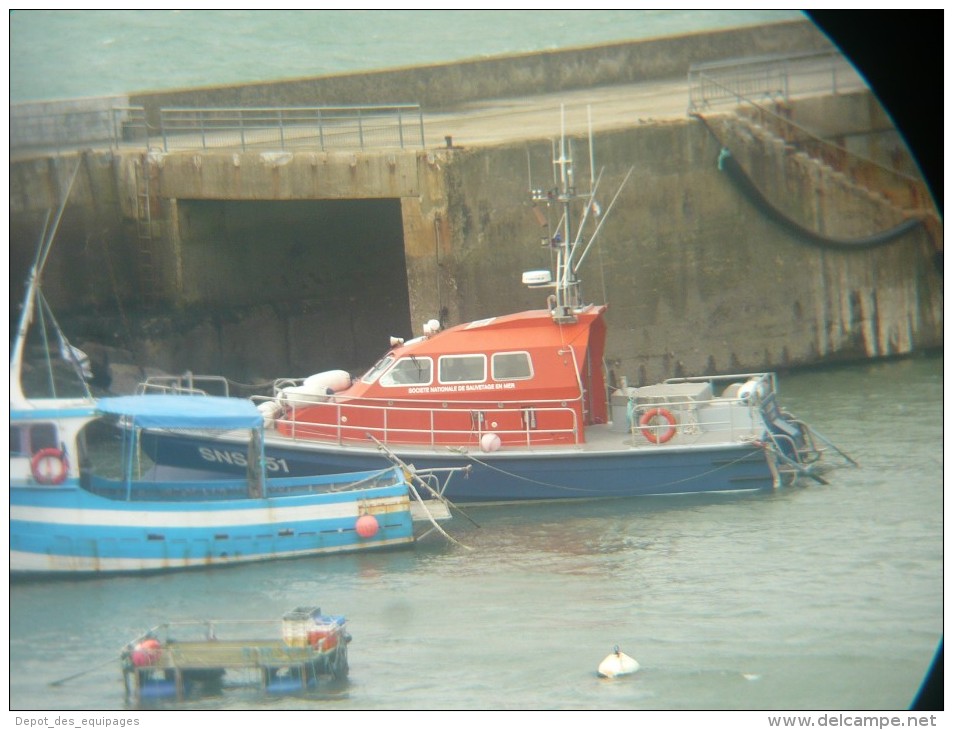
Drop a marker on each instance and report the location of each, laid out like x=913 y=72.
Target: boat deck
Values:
x=609 y=438
x=232 y=654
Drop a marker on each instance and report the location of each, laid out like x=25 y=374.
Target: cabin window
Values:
x=16 y=439
x=375 y=372
x=512 y=366
x=409 y=371
x=463 y=369
x=26 y=441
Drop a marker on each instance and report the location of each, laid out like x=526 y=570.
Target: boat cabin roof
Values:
x=183 y=411
x=520 y=331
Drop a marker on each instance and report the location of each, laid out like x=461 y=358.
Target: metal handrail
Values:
x=361 y=127
x=186 y=384
x=389 y=434
x=352 y=127
x=776 y=77
x=76 y=129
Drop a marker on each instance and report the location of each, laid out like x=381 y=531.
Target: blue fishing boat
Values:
x=84 y=498
x=67 y=516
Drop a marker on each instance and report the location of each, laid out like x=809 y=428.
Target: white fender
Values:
x=316 y=388
x=269 y=410
x=753 y=391
x=336 y=380
x=490 y=442
x=617 y=664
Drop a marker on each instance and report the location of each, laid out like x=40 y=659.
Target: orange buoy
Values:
x=146 y=653
x=367 y=526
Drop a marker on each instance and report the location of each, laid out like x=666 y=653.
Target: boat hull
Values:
x=67 y=530
x=506 y=475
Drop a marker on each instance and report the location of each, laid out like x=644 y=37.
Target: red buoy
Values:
x=146 y=653
x=367 y=526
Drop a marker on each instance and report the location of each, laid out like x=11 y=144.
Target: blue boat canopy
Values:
x=183 y=411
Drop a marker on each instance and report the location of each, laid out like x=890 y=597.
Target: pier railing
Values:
x=345 y=127
x=769 y=78
x=45 y=128
x=35 y=128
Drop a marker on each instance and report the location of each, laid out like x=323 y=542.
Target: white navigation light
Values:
x=537 y=278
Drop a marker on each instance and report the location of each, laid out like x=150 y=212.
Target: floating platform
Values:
x=178 y=660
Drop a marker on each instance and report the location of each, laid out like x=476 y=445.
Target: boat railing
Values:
x=693 y=421
x=704 y=408
x=391 y=423
x=148 y=488
x=185 y=384
x=768 y=378
x=216 y=630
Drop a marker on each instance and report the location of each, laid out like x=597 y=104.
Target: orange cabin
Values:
x=524 y=377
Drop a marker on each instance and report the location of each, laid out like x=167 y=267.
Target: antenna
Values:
x=592 y=151
x=566 y=300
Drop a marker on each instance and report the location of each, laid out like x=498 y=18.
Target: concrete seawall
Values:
x=282 y=264
x=441 y=86
x=435 y=87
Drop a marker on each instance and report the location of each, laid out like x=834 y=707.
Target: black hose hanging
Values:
x=730 y=166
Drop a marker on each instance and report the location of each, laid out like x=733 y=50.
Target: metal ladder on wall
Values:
x=145 y=229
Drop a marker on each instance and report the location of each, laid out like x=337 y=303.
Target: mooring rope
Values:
x=590 y=491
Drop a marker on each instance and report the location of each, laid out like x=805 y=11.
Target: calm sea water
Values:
x=814 y=597
x=77 y=53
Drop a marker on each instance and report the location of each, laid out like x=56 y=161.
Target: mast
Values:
x=566 y=285
x=17 y=397
x=567 y=298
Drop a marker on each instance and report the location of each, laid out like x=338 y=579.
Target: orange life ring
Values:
x=49 y=466
x=651 y=432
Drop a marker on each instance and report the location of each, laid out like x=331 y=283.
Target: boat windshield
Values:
x=375 y=372
x=409 y=371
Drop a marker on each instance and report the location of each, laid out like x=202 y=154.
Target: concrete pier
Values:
x=270 y=262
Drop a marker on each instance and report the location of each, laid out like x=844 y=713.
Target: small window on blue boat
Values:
x=409 y=371
x=42 y=436
x=463 y=369
x=512 y=366
x=375 y=372
x=16 y=441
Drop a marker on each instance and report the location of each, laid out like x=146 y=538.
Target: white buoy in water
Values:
x=617 y=664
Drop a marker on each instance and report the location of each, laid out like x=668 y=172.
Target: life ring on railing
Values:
x=49 y=466
x=650 y=430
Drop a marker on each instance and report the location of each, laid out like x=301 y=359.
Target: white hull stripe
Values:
x=203 y=518
x=24 y=562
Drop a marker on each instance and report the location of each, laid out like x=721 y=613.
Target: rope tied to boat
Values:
x=467 y=454
x=411 y=476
